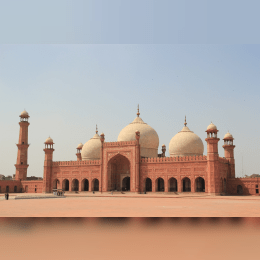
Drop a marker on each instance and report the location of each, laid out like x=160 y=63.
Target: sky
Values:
x=73 y=65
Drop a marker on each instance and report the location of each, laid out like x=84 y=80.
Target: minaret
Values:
x=212 y=157
x=47 y=174
x=79 y=148
x=163 y=150
x=21 y=162
x=229 y=153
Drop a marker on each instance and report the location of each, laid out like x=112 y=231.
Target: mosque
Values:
x=133 y=164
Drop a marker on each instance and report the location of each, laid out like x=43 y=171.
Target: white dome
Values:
x=91 y=149
x=149 y=139
x=49 y=141
x=80 y=146
x=228 y=136
x=24 y=114
x=186 y=143
x=211 y=127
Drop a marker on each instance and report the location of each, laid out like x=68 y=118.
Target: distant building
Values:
x=133 y=164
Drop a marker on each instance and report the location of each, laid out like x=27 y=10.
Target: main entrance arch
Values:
x=118 y=170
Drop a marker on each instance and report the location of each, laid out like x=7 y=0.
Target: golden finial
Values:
x=185 y=123
x=96 y=129
x=138 y=114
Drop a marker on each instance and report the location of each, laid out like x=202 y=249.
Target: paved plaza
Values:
x=128 y=205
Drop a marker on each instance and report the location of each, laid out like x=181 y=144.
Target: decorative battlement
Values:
x=73 y=163
x=123 y=143
x=174 y=159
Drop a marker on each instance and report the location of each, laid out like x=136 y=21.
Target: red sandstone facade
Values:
x=121 y=168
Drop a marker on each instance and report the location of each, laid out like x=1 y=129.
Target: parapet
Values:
x=76 y=163
x=174 y=159
x=122 y=143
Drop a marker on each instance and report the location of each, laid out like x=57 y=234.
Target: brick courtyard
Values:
x=129 y=205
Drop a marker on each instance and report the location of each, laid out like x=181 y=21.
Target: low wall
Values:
x=10 y=186
x=32 y=186
x=243 y=186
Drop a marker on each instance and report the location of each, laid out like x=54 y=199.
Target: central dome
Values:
x=149 y=140
x=186 y=143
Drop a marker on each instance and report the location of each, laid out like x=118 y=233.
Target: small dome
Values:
x=211 y=127
x=186 y=143
x=49 y=141
x=91 y=149
x=24 y=114
x=149 y=140
x=228 y=136
x=80 y=146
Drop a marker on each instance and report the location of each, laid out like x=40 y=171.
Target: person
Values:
x=6 y=196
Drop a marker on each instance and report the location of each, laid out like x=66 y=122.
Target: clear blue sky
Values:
x=94 y=62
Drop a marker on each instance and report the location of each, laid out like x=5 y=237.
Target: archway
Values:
x=126 y=184
x=239 y=189
x=148 y=184
x=15 y=188
x=95 y=185
x=7 y=189
x=66 y=185
x=173 y=184
x=118 y=169
x=85 y=185
x=200 y=184
x=56 y=183
x=160 y=184
x=186 y=185
x=75 y=185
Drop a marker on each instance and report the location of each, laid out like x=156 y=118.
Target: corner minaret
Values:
x=229 y=153
x=212 y=157
x=21 y=162
x=47 y=173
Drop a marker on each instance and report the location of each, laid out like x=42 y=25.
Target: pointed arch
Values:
x=159 y=184
x=65 y=185
x=199 y=184
x=173 y=184
x=186 y=184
